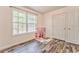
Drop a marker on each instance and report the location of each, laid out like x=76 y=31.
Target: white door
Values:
x=59 y=26
x=73 y=27
x=70 y=26
x=76 y=26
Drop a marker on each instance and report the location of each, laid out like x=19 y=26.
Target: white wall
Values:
x=48 y=19
x=6 y=37
x=48 y=24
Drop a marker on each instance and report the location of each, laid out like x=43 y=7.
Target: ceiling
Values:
x=44 y=9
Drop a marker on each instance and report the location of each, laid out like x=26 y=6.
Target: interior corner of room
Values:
x=7 y=38
x=61 y=22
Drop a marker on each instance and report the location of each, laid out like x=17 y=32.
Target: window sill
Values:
x=22 y=34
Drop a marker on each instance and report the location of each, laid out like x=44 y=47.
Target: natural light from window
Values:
x=23 y=22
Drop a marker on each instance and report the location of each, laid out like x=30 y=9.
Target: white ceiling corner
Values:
x=44 y=9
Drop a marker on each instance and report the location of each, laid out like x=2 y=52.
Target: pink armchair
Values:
x=40 y=33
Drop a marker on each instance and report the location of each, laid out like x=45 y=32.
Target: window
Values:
x=31 y=22
x=23 y=22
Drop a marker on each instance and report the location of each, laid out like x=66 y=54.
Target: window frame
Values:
x=14 y=9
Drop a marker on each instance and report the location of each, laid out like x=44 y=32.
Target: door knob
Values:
x=69 y=28
x=64 y=28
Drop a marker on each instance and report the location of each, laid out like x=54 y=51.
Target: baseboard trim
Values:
x=1 y=51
